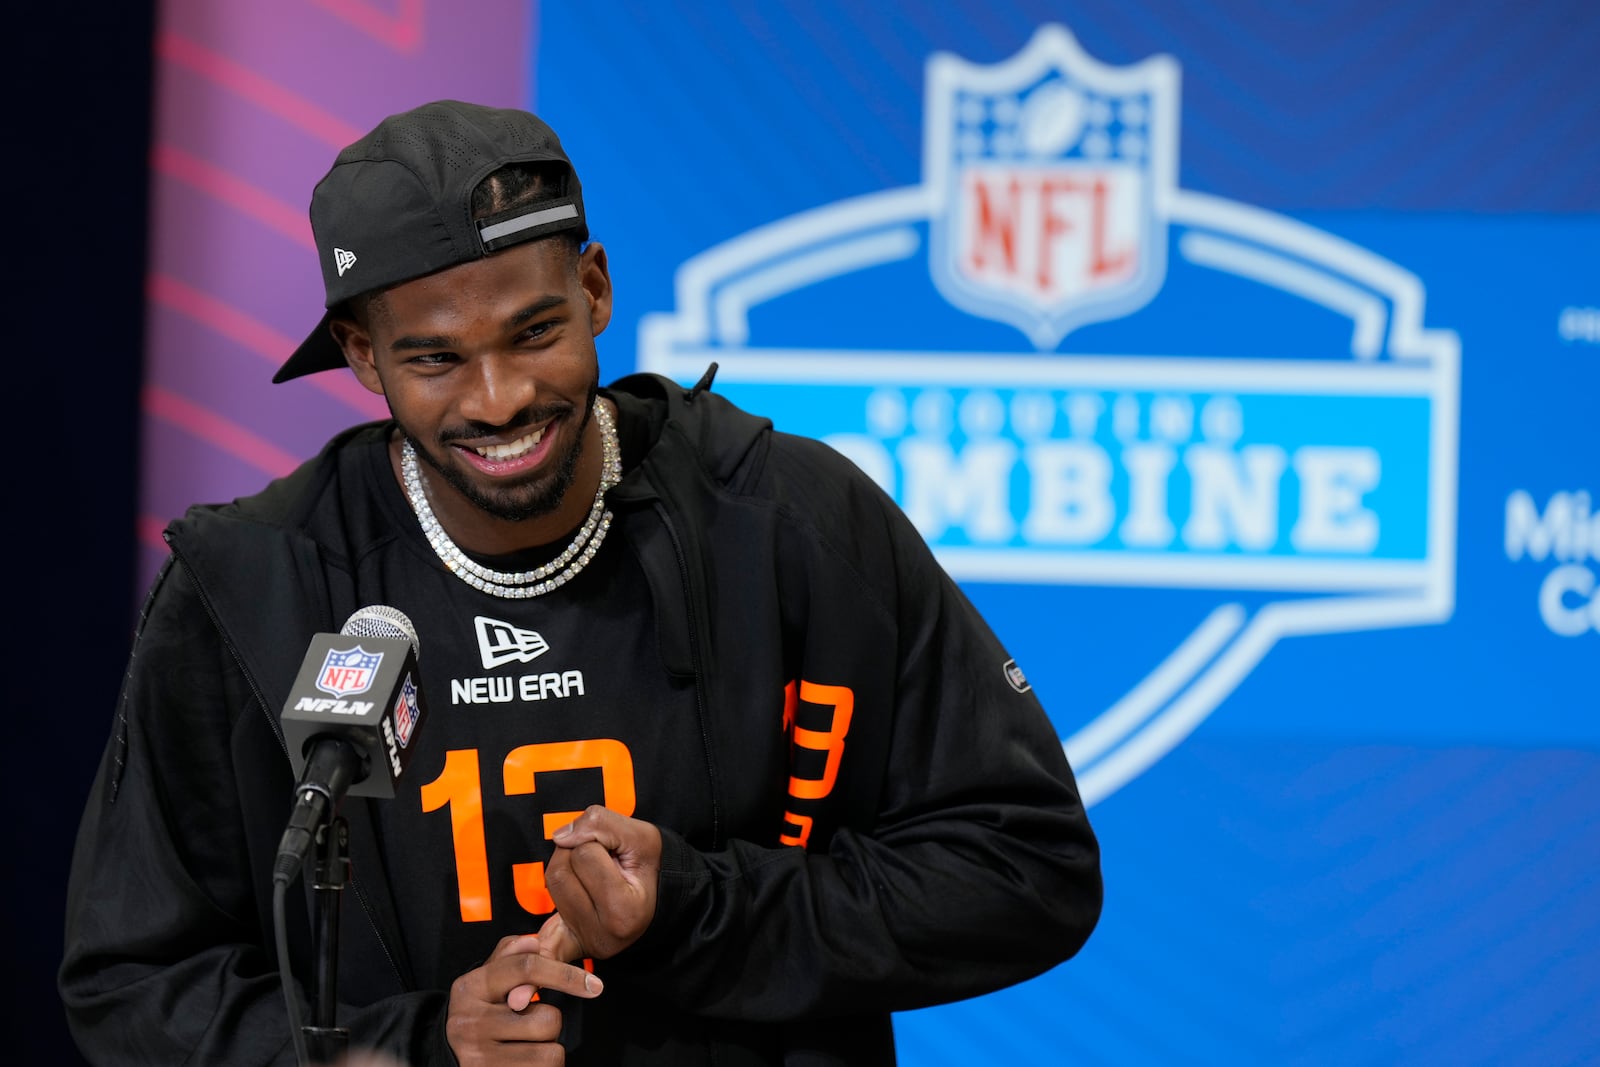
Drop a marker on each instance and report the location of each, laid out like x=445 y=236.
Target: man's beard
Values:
x=519 y=502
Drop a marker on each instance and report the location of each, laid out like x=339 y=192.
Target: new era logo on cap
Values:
x=404 y=193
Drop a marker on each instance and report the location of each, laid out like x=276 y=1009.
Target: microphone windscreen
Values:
x=380 y=620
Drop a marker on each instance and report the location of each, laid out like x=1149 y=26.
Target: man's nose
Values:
x=500 y=391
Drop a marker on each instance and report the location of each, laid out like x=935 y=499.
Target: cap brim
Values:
x=319 y=351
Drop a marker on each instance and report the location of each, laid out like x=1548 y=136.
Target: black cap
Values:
x=397 y=205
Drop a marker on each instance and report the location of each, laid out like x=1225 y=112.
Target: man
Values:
x=705 y=715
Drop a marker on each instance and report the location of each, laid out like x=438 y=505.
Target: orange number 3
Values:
x=830 y=742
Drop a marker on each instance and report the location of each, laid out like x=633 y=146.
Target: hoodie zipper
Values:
x=699 y=671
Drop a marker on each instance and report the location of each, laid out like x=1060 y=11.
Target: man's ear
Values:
x=356 y=343
x=595 y=277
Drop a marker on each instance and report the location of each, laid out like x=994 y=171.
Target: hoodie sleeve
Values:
x=167 y=957
x=936 y=846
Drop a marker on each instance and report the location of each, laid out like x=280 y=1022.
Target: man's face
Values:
x=490 y=369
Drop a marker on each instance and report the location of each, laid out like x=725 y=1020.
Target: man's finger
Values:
x=558 y=941
x=514 y=943
x=520 y=997
x=607 y=883
x=540 y=1022
x=597 y=823
x=509 y=972
x=573 y=899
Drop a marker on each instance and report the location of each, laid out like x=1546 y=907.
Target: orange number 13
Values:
x=460 y=786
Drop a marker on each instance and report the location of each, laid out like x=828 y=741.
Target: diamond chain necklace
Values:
x=516 y=585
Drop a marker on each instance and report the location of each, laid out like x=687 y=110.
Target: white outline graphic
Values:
x=501 y=642
x=1391 y=354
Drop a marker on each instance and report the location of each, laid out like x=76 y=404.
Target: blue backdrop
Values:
x=1241 y=361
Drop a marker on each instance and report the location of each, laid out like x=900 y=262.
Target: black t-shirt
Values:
x=535 y=709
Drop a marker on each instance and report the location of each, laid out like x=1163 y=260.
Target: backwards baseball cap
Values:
x=397 y=205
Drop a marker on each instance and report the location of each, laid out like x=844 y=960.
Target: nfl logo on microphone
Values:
x=347 y=671
x=406 y=711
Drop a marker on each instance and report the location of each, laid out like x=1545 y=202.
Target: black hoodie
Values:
x=948 y=855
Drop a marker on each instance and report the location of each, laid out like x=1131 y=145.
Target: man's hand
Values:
x=490 y=1021
x=603 y=877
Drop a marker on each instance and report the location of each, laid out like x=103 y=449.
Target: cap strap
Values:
x=501 y=230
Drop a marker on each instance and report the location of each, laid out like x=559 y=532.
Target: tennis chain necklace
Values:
x=516 y=585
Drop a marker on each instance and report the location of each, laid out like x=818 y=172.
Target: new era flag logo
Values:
x=343 y=260
x=500 y=642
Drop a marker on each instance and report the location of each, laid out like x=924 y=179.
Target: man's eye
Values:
x=536 y=331
x=432 y=359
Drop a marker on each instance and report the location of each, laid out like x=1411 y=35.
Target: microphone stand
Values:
x=326 y=1042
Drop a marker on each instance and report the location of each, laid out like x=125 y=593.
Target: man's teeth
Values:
x=514 y=449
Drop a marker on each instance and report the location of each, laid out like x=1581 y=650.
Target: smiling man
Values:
x=490 y=371
x=719 y=766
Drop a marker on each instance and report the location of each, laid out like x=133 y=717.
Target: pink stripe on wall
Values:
x=241 y=81
x=227 y=320
x=401 y=30
x=253 y=101
x=217 y=431
x=231 y=189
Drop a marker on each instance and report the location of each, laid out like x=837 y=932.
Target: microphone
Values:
x=349 y=721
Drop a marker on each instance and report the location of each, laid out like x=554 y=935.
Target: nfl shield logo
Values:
x=348 y=671
x=1050 y=175
x=405 y=712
